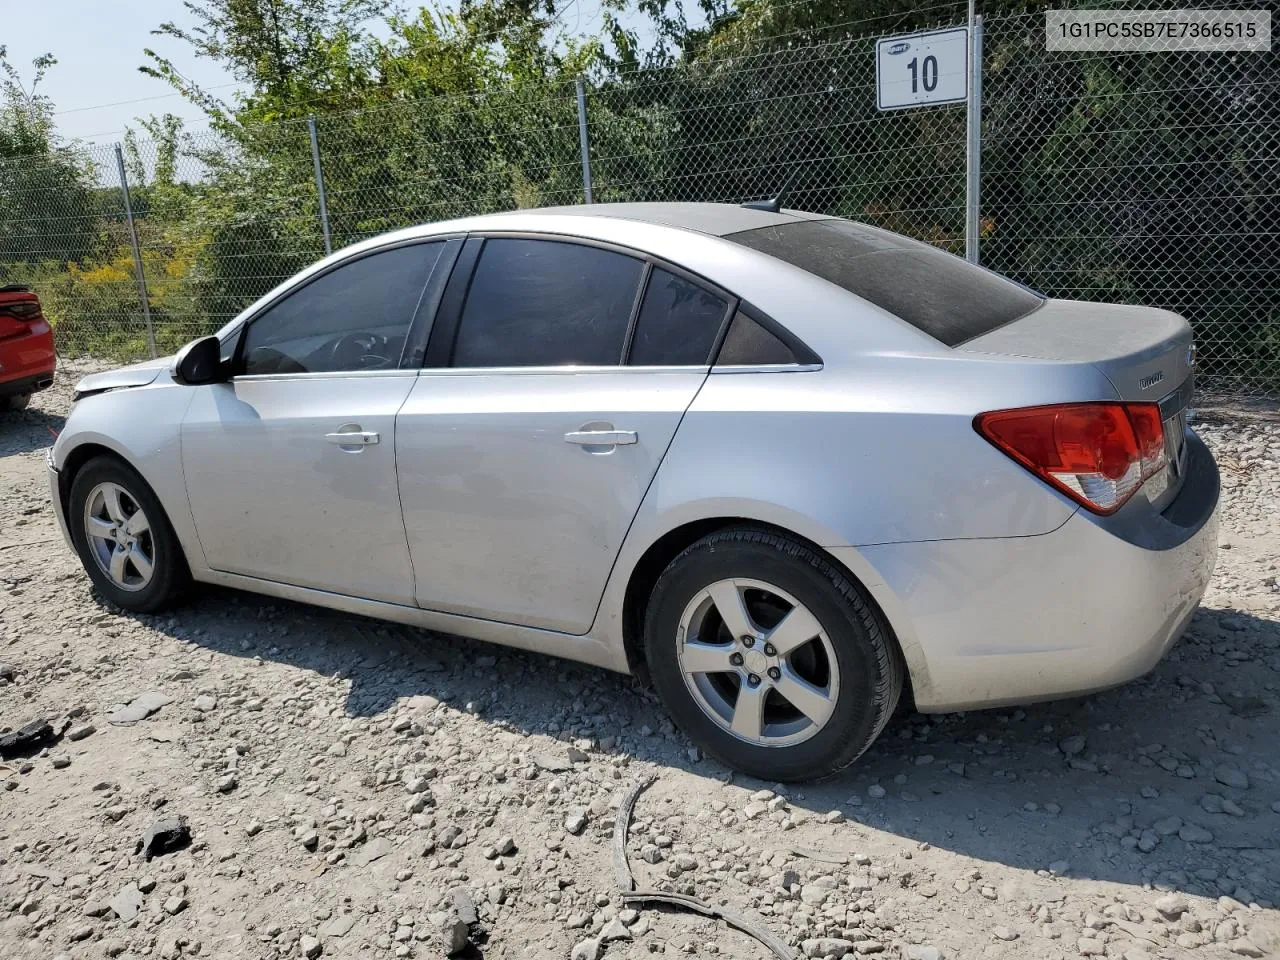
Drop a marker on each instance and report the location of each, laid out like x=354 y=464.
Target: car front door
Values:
x=527 y=443
x=290 y=465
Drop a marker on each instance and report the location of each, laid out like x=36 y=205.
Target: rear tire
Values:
x=14 y=402
x=810 y=682
x=124 y=537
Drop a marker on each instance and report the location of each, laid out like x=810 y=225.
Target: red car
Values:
x=27 y=358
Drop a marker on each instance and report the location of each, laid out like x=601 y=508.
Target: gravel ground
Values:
x=352 y=788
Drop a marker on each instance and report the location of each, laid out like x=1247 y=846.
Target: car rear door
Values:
x=528 y=443
x=290 y=466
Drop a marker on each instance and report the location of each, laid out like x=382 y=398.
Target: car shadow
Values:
x=25 y=431
x=1098 y=787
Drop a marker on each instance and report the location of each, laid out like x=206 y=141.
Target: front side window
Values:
x=678 y=322
x=355 y=317
x=939 y=294
x=539 y=303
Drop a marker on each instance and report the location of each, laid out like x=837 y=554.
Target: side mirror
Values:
x=200 y=361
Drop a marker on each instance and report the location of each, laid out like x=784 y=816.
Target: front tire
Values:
x=769 y=657
x=124 y=537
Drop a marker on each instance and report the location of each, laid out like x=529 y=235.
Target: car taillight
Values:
x=26 y=310
x=1098 y=454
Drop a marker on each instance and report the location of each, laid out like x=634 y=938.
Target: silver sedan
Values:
x=787 y=467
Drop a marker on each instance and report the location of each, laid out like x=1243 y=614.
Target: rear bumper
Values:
x=21 y=385
x=1093 y=604
x=27 y=362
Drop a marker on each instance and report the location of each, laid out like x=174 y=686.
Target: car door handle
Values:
x=355 y=438
x=600 y=438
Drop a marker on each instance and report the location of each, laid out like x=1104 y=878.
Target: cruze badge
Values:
x=1146 y=383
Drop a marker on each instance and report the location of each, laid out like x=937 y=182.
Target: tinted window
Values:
x=546 y=303
x=678 y=322
x=946 y=297
x=355 y=317
x=747 y=342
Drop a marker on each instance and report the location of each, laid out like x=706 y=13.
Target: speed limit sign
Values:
x=922 y=69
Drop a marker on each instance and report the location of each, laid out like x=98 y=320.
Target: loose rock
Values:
x=127 y=903
x=615 y=929
x=165 y=835
x=1172 y=905
x=1073 y=746
x=139 y=708
x=26 y=739
x=453 y=933
x=826 y=947
x=1231 y=776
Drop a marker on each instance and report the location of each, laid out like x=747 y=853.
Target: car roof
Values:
x=715 y=219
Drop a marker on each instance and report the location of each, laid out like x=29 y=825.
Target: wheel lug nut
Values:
x=753 y=680
x=775 y=673
x=748 y=642
x=735 y=659
x=769 y=650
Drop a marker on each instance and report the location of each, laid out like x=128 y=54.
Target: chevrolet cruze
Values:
x=788 y=467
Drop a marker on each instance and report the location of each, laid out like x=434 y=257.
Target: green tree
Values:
x=46 y=201
x=293 y=56
x=443 y=114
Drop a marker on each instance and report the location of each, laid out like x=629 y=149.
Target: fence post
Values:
x=583 y=141
x=315 y=162
x=973 y=148
x=137 y=253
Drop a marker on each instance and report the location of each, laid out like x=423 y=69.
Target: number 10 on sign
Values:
x=922 y=69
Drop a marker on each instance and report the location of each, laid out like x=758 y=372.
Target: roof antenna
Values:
x=774 y=204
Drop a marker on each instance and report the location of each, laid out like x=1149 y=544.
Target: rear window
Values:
x=948 y=298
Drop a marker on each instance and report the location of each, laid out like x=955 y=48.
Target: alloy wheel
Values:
x=119 y=536
x=758 y=662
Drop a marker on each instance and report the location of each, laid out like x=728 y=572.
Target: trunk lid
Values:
x=1145 y=353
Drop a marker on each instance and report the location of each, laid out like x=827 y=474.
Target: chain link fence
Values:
x=1141 y=178
x=1147 y=178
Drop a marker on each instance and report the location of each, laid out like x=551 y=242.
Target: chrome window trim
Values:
x=325 y=375
x=560 y=370
x=769 y=368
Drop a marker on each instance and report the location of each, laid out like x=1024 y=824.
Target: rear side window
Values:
x=948 y=298
x=678 y=322
x=749 y=343
x=539 y=303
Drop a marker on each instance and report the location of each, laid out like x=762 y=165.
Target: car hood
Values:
x=134 y=375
